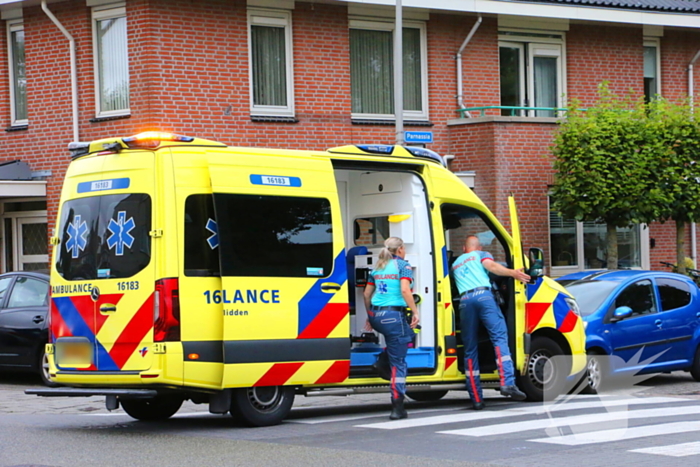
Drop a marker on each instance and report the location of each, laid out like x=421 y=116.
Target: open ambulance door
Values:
x=520 y=297
x=284 y=298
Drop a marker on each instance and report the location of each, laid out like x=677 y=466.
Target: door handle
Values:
x=658 y=323
x=38 y=319
x=328 y=286
x=108 y=308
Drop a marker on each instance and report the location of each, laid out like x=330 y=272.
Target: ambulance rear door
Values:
x=103 y=278
x=284 y=282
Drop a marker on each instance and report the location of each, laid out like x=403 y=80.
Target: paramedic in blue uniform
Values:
x=476 y=304
x=387 y=295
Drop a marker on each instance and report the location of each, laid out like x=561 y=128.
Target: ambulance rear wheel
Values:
x=545 y=372
x=262 y=406
x=426 y=396
x=158 y=408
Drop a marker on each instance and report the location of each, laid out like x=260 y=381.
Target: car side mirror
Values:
x=621 y=313
x=536 y=269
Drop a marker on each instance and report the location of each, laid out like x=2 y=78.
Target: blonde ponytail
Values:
x=391 y=246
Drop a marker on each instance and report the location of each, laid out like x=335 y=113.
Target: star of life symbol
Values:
x=120 y=233
x=77 y=233
x=213 y=240
x=382 y=287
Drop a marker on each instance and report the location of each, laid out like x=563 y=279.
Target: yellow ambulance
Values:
x=184 y=269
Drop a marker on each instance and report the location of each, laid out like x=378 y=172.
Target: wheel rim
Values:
x=265 y=399
x=595 y=374
x=540 y=369
x=45 y=367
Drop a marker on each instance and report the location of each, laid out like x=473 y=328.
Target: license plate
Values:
x=74 y=354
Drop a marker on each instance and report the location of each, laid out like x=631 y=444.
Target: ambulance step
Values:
x=80 y=392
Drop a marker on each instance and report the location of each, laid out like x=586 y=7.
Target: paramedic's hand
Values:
x=521 y=276
x=415 y=319
x=368 y=327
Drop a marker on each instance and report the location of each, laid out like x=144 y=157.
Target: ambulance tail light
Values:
x=153 y=139
x=166 y=311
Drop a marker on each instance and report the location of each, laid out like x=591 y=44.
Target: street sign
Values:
x=418 y=136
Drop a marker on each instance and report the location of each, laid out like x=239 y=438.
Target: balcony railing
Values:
x=515 y=110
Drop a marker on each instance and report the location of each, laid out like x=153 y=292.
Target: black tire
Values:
x=262 y=406
x=545 y=376
x=158 y=408
x=695 y=369
x=596 y=374
x=426 y=396
x=43 y=368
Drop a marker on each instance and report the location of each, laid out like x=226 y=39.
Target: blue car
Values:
x=649 y=319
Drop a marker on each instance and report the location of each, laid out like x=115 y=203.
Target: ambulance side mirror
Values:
x=536 y=269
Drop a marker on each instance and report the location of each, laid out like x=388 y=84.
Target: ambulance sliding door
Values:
x=283 y=270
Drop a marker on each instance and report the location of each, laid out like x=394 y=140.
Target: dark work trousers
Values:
x=397 y=334
x=481 y=306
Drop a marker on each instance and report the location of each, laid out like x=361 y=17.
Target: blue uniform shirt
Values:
x=388 y=282
x=468 y=271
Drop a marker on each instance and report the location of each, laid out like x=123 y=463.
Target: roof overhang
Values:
x=540 y=10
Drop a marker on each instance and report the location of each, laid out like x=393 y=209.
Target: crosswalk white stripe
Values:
x=528 y=425
x=468 y=415
x=674 y=450
x=622 y=434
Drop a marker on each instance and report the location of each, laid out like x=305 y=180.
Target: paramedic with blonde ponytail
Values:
x=387 y=295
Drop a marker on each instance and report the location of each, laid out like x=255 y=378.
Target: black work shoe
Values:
x=513 y=392
x=478 y=405
x=397 y=410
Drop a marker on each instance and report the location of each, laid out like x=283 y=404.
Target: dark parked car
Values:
x=24 y=304
x=657 y=313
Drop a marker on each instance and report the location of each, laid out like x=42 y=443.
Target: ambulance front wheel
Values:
x=262 y=406
x=157 y=408
x=545 y=371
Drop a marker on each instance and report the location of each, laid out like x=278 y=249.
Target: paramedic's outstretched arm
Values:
x=369 y=290
x=408 y=296
x=501 y=270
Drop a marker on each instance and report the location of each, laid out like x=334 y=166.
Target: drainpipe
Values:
x=460 y=96
x=693 y=228
x=73 y=68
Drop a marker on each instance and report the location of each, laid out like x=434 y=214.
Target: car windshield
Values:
x=590 y=294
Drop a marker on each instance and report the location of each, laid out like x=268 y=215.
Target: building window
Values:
x=652 y=65
x=18 y=77
x=111 y=61
x=577 y=246
x=531 y=72
x=271 y=80
x=372 y=70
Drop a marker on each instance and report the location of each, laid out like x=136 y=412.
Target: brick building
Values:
x=317 y=74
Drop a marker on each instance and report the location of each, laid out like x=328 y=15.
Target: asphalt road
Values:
x=657 y=425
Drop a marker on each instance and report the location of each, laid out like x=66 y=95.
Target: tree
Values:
x=603 y=169
x=676 y=137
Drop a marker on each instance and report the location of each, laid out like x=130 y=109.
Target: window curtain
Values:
x=269 y=66
x=19 y=75
x=372 y=71
x=113 y=64
x=545 y=85
x=650 y=87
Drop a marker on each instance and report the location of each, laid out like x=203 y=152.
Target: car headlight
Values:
x=573 y=305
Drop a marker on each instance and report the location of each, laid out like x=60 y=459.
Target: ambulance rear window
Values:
x=201 y=237
x=274 y=236
x=104 y=237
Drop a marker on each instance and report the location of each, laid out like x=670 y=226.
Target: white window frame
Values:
x=389 y=26
x=537 y=44
x=14 y=26
x=557 y=271
x=655 y=42
x=115 y=10
x=277 y=18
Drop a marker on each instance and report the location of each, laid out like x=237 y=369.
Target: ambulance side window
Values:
x=201 y=237
x=460 y=222
x=274 y=236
